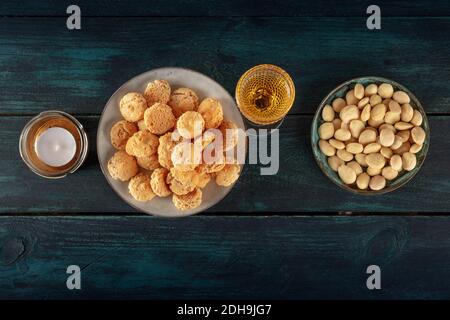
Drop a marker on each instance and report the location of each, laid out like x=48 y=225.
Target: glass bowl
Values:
x=321 y=159
x=25 y=142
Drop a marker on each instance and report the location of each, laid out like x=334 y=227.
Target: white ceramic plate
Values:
x=177 y=77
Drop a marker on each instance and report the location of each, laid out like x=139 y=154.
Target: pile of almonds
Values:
x=371 y=136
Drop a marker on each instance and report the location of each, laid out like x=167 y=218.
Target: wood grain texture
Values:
x=225 y=257
x=299 y=186
x=225 y=8
x=45 y=66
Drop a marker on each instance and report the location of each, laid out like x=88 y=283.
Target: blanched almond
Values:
x=403 y=125
x=359 y=91
x=342 y=134
x=326 y=130
x=387 y=137
x=344 y=155
x=385 y=90
x=417 y=118
x=350 y=98
x=375 y=160
x=349 y=113
x=386 y=102
x=361 y=159
x=396 y=162
x=347 y=174
x=375 y=123
x=389 y=173
x=415 y=148
x=370 y=90
x=403 y=148
x=404 y=134
x=363 y=102
x=339 y=145
x=409 y=161
x=327 y=113
x=365 y=113
x=371 y=171
x=398 y=141
x=334 y=162
x=326 y=148
x=401 y=97
x=367 y=136
x=391 y=117
x=355 y=166
x=395 y=107
x=375 y=99
x=337 y=123
x=354 y=148
x=338 y=104
x=378 y=112
x=418 y=135
x=407 y=112
x=387 y=126
x=386 y=152
x=377 y=183
x=356 y=127
x=372 y=148
x=362 y=181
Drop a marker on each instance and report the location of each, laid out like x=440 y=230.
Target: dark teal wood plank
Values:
x=45 y=66
x=299 y=186
x=226 y=8
x=225 y=257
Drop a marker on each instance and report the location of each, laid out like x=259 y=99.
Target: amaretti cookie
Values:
x=159 y=118
x=165 y=148
x=181 y=182
x=213 y=159
x=157 y=91
x=159 y=184
x=142 y=144
x=186 y=156
x=228 y=175
x=140 y=188
x=148 y=162
x=132 y=106
x=121 y=131
x=211 y=111
x=190 y=124
x=122 y=166
x=207 y=138
x=182 y=100
x=188 y=201
x=203 y=177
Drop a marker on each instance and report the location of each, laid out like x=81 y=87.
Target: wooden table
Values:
x=293 y=235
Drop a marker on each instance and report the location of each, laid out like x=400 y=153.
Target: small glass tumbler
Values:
x=264 y=95
x=36 y=127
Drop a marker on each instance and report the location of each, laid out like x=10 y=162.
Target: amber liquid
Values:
x=265 y=96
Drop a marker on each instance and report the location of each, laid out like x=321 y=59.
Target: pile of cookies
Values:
x=371 y=136
x=169 y=144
